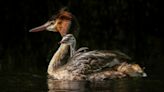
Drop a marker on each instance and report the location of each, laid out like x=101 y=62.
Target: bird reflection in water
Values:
x=114 y=85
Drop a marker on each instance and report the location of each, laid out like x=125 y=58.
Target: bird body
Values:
x=90 y=65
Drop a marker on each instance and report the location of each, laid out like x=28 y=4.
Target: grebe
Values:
x=69 y=64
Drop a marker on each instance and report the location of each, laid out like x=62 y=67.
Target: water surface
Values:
x=30 y=82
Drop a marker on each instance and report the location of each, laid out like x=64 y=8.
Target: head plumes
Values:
x=63 y=13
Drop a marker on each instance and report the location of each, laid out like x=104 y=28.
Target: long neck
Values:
x=72 y=48
x=58 y=57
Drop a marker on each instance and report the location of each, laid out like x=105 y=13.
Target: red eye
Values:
x=59 y=22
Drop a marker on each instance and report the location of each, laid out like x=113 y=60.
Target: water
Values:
x=30 y=82
x=22 y=82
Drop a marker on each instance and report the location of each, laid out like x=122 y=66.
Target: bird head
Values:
x=68 y=39
x=61 y=22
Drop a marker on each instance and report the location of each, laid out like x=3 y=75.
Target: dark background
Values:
x=131 y=26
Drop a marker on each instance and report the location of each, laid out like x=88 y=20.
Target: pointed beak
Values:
x=40 y=28
x=61 y=42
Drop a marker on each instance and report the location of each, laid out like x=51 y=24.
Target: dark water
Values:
x=30 y=82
